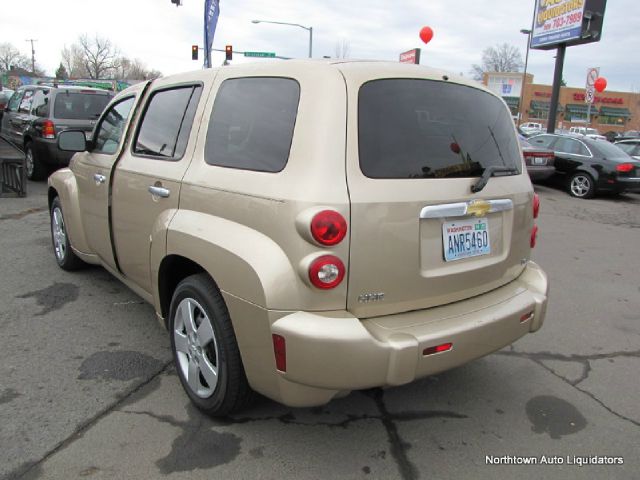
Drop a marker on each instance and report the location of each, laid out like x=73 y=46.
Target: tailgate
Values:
x=419 y=237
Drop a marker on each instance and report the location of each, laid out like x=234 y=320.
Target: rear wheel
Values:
x=205 y=349
x=36 y=170
x=581 y=185
x=65 y=256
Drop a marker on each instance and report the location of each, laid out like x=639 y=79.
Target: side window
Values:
x=541 y=141
x=626 y=147
x=40 y=106
x=568 y=145
x=251 y=126
x=25 y=103
x=166 y=124
x=582 y=150
x=16 y=98
x=111 y=128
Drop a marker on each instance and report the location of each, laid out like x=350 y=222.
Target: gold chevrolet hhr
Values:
x=308 y=228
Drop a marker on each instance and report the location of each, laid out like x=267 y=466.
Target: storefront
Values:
x=611 y=111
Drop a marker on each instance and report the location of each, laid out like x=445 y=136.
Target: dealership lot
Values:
x=88 y=390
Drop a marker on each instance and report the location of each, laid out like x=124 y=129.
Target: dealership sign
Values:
x=411 y=56
x=571 y=22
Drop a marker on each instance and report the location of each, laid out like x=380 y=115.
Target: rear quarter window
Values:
x=252 y=122
x=413 y=128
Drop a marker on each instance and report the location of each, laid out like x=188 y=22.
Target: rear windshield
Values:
x=79 y=106
x=411 y=128
x=611 y=152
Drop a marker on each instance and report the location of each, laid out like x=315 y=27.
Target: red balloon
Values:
x=600 y=84
x=426 y=34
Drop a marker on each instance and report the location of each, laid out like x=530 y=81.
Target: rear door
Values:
x=147 y=179
x=419 y=236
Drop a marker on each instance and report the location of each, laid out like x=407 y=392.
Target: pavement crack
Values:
x=540 y=357
x=82 y=428
x=24 y=213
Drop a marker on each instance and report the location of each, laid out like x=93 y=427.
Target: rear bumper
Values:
x=629 y=184
x=48 y=152
x=328 y=353
x=541 y=172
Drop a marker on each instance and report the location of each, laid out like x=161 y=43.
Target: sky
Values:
x=161 y=34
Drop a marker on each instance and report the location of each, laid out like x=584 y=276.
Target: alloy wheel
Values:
x=580 y=185
x=196 y=347
x=30 y=164
x=59 y=234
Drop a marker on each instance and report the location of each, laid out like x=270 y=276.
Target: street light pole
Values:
x=309 y=29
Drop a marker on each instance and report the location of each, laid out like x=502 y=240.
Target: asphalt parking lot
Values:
x=87 y=389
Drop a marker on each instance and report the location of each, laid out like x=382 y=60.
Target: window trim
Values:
x=143 y=113
x=293 y=130
x=109 y=106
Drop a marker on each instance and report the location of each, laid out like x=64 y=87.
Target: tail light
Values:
x=328 y=227
x=536 y=205
x=534 y=236
x=625 y=167
x=326 y=272
x=280 y=352
x=48 y=129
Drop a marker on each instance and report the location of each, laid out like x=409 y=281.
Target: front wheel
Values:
x=205 y=349
x=581 y=185
x=65 y=256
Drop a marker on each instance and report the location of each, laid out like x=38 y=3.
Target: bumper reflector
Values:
x=526 y=317
x=437 y=349
x=280 y=352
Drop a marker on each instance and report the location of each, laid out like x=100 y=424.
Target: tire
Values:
x=581 y=185
x=205 y=350
x=64 y=254
x=36 y=170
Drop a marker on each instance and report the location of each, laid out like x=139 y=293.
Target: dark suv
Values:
x=36 y=114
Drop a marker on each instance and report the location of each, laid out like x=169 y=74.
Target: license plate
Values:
x=465 y=238
x=539 y=161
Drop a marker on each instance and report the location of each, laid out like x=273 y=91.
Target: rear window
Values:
x=611 y=152
x=411 y=128
x=79 y=106
x=252 y=123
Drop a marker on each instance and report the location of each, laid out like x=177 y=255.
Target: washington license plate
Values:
x=465 y=238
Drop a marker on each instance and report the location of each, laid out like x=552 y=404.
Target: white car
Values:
x=588 y=132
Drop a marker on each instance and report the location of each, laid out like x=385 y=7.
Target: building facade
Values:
x=610 y=112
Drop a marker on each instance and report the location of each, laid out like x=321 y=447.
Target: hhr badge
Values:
x=370 y=297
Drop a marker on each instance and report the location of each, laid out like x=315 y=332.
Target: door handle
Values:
x=159 y=191
x=99 y=178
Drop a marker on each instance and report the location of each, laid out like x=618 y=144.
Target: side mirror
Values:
x=72 y=141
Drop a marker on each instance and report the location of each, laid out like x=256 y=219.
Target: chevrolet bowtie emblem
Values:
x=478 y=208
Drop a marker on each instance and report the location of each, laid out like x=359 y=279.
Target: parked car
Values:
x=5 y=95
x=36 y=114
x=531 y=128
x=591 y=166
x=304 y=229
x=587 y=132
x=630 y=147
x=539 y=161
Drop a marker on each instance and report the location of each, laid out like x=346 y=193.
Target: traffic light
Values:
x=228 y=50
x=194 y=52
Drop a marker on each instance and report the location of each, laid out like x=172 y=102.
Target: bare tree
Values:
x=135 y=70
x=343 y=48
x=72 y=61
x=501 y=58
x=11 y=57
x=99 y=56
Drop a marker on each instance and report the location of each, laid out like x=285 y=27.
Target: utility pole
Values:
x=33 y=54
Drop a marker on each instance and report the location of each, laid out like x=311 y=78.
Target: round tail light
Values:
x=534 y=236
x=328 y=227
x=326 y=272
x=536 y=205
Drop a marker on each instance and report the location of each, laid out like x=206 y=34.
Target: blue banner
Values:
x=211 y=13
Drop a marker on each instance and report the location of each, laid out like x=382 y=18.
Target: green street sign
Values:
x=260 y=54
